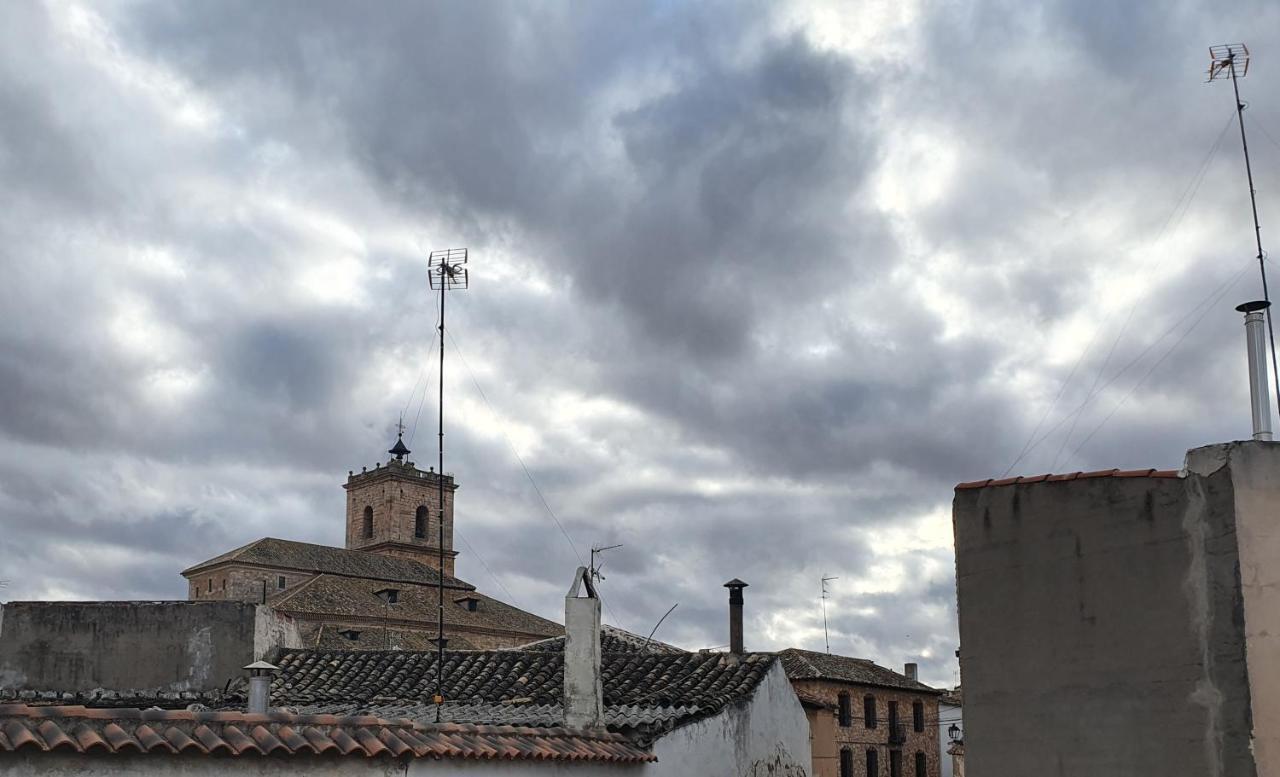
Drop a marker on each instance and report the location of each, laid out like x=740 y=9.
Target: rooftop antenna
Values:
x=595 y=568
x=649 y=638
x=446 y=271
x=1232 y=60
x=825 y=637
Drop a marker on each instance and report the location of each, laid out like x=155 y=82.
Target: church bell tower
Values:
x=393 y=509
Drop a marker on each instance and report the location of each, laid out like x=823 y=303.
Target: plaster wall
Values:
x=1100 y=623
x=767 y=735
x=948 y=715
x=167 y=646
x=76 y=765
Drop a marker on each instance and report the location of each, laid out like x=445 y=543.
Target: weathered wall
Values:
x=859 y=738
x=1100 y=625
x=766 y=736
x=1255 y=477
x=170 y=646
x=241 y=583
x=395 y=492
x=948 y=715
x=74 y=765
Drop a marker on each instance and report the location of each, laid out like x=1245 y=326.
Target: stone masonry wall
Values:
x=395 y=492
x=829 y=737
x=241 y=583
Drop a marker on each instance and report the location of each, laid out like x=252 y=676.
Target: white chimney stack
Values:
x=583 y=691
x=1259 y=386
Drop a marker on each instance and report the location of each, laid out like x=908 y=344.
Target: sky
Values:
x=753 y=285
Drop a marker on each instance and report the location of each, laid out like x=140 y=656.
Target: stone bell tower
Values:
x=394 y=509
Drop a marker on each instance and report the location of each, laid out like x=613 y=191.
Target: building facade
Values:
x=381 y=590
x=1123 y=624
x=865 y=720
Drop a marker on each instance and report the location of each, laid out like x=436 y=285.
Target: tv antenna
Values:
x=1231 y=60
x=446 y=271
x=825 y=637
x=595 y=568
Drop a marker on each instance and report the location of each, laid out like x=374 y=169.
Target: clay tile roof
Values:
x=72 y=729
x=643 y=692
x=1103 y=473
x=306 y=557
x=811 y=665
x=612 y=640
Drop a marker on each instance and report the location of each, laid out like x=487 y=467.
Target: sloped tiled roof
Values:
x=669 y=688
x=160 y=732
x=334 y=596
x=329 y=637
x=306 y=557
x=612 y=640
x=811 y=665
x=1103 y=473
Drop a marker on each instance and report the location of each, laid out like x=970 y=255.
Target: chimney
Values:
x=910 y=670
x=1259 y=391
x=735 y=587
x=260 y=686
x=583 y=693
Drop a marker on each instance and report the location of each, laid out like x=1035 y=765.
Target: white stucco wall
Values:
x=948 y=714
x=768 y=735
x=73 y=765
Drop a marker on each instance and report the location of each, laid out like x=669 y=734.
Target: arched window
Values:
x=420 y=522
x=368 y=522
x=846 y=762
x=846 y=711
x=873 y=764
x=922 y=766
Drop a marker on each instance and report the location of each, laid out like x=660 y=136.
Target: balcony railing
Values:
x=897 y=733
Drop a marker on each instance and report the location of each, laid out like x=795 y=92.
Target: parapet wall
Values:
x=166 y=646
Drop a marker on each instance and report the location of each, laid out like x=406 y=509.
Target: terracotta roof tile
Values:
x=812 y=665
x=1103 y=473
x=76 y=729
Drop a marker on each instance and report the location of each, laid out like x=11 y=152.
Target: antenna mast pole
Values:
x=826 y=637
x=445 y=271
x=1223 y=61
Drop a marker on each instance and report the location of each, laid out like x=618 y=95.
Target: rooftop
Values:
x=167 y=732
x=612 y=640
x=812 y=665
x=307 y=557
x=1102 y=473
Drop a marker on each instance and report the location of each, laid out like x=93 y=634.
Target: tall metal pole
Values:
x=1257 y=227
x=444 y=285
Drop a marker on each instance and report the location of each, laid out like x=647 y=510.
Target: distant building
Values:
x=380 y=591
x=1123 y=624
x=951 y=732
x=865 y=720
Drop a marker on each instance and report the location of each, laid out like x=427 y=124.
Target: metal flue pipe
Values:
x=1259 y=388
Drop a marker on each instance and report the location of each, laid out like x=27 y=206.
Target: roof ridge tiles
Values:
x=1050 y=478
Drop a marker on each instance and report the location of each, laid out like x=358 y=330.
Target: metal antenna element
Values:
x=595 y=568
x=446 y=271
x=1232 y=60
x=649 y=638
x=825 y=637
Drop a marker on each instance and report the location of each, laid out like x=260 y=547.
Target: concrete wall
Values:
x=1110 y=626
x=768 y=735
x=168 y=646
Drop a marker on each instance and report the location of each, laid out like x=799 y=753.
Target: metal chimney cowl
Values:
x=1259 y=385
x=735 y=587
x=583 y=688
x=259 y=687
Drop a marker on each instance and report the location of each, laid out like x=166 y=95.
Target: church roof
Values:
x=307 y=557
x=334 y=596
x=643 y=692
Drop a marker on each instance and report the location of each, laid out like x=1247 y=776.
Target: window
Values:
x=873 y=764
x=846 y=711
x=420 y=522
x=210 y=585
x=368 y=522
x=893 y=714
x=895 y=763
x=917 y=715
x=846 y=762
x=921 y=765
x=869 y=712
x=280 y=582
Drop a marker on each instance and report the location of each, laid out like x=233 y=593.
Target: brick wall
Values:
x=240 y=583
x=829 y=737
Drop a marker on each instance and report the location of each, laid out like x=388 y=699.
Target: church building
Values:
x=380 y=591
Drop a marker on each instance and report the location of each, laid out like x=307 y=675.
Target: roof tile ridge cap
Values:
x=222 y=558
x=298 y=589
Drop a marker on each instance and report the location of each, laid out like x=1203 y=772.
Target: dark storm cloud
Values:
x=747 y=365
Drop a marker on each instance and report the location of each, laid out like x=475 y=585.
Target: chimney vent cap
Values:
x=735 y=583
x=1250 y=307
